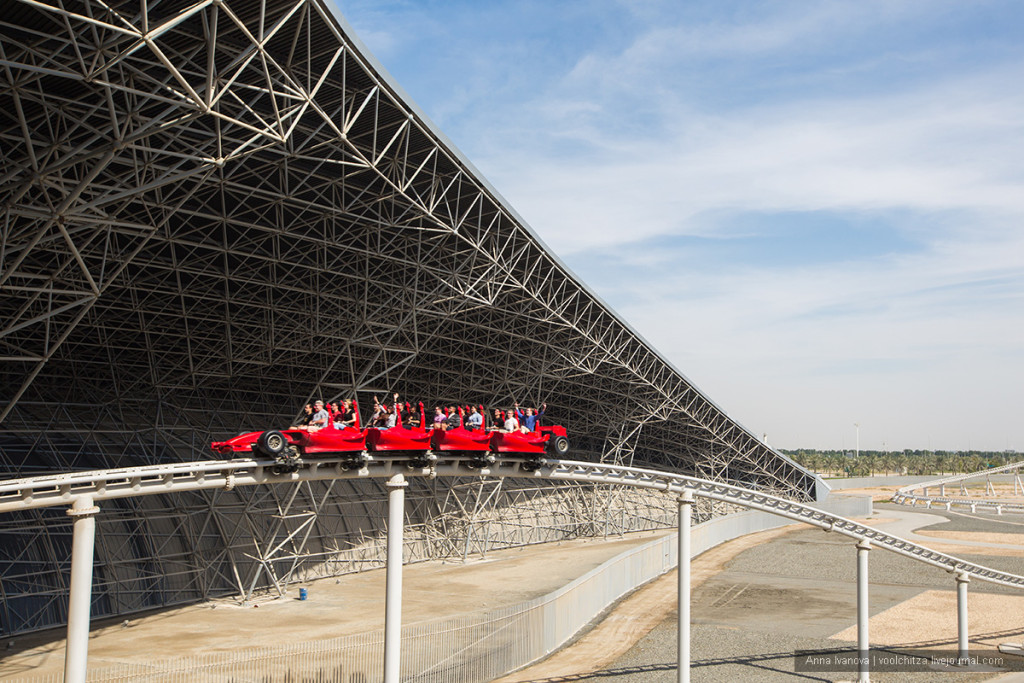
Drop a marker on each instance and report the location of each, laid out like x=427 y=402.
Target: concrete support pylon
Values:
x=863 y=613
x=83 y=542
x=962 y=579
x=393 y=592
x=685 y=517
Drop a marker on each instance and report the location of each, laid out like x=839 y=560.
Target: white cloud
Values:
x=680 y=119
x=916 y=347
x=922 y=348
x=920 y=151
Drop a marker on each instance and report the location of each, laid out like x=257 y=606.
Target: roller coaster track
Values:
x=907 y=496
x=99 y=485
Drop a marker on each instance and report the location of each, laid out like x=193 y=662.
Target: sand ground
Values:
x=345 y=605
x=724 y=592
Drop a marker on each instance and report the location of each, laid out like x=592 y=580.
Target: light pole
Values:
x=857 y=425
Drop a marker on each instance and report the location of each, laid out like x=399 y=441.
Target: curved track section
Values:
x=907 y=495
x=100 y=485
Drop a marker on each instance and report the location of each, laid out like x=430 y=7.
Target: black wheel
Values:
x=560 y=444
x=356 y=462
x=272 y=443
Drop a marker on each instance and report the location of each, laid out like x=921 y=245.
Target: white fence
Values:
x=466 y=649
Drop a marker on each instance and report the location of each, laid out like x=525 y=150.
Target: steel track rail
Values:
x=906 y=496
x=99 y=485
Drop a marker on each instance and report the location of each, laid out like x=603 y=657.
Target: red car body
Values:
x=461 y=439
x=326 y=440
x=524 y=442
x=399 y=439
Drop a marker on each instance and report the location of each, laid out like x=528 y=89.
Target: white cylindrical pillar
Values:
x=685 y=517
x=393 y=592
x=863 y=613
x=962 y=579
x=83 y=541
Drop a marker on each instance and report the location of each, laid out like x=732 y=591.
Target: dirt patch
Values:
x=879 y=494
x=958 y=550
x=635 y=616
x=930 y=620
x=976 y=536
x=348 y=604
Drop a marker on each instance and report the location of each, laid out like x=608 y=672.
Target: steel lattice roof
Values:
x=213 y=211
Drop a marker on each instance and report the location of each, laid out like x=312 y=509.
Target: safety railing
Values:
x=102 y=485
x=917 y=494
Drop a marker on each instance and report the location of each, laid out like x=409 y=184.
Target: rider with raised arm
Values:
x=528 y=420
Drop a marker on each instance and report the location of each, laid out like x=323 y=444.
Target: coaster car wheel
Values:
x=560 y=444
x=421 y=460
x=356 y=462
x=481 y=461
x=533 y=465
x=272 y=443
x=287 y=462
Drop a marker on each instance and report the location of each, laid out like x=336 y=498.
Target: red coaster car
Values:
x=289 y=446
x=475 y=443
x=413 y=440
x=276 y=442
x=529 y=443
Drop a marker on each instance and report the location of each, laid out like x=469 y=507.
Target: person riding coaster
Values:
x=461 y=440
x=421 y=445
x=288 y=446
x=410 y=439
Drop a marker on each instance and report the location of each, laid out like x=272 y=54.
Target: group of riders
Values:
x=318 y=415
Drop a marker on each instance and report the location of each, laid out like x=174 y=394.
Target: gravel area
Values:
x=727 y=655
x=793 y=594
x=806 y=556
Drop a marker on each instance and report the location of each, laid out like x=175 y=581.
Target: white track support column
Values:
x=76 y=653
x=393 y=593
x=962 y=579
x=863 y=614
x=685 y=516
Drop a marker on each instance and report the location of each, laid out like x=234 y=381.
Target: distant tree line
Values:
x=906 y=462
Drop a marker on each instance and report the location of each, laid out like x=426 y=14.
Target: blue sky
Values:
x=814 y=210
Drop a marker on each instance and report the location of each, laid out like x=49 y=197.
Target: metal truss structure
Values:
x=211 y=212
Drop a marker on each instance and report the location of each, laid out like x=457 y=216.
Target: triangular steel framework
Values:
x=211 y=211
